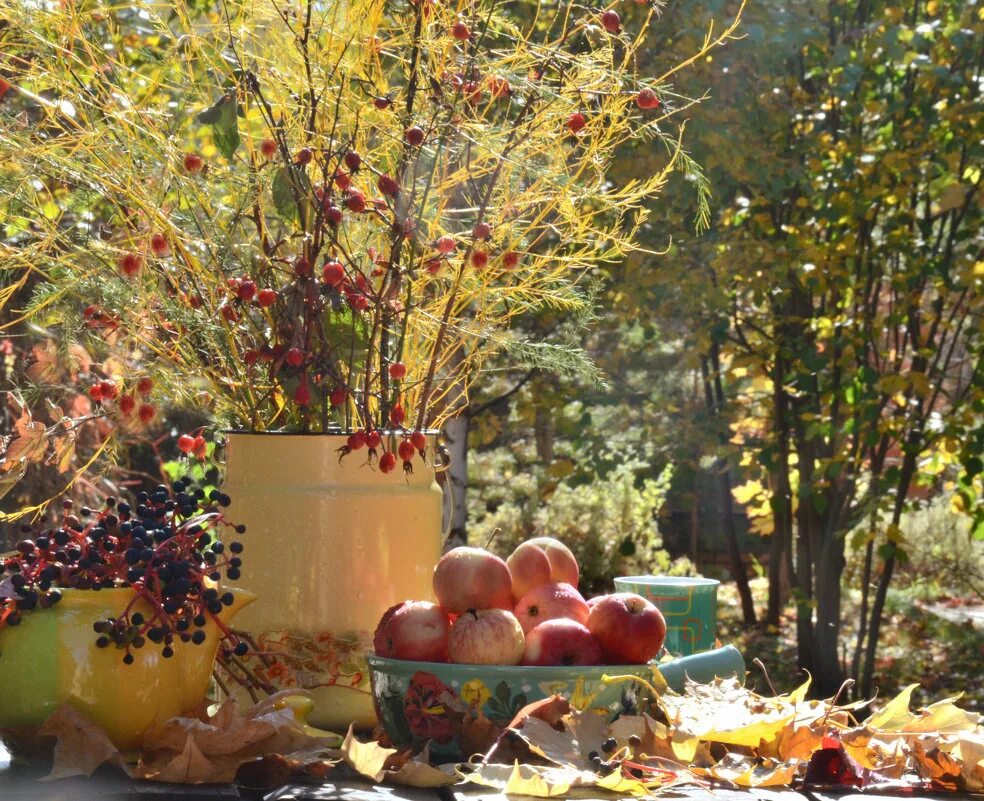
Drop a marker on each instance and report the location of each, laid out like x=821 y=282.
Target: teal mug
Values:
x=689 y=605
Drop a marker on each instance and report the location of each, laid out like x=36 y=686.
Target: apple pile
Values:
x=525 y=610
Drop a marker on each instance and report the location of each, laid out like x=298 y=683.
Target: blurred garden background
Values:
x=784 y=390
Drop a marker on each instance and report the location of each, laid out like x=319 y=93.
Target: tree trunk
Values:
x=778 y=576
x=781 y=552
x=869 y=555
x=828 y=673
x=695 y=520
x=878 y=606
x=714 y=394
x=456 y=480
x=737 y=563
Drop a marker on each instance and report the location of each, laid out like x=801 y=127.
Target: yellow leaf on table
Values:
x=896 y=713
x=369 y=759
x=943 y=716
x=749 y=771
x=525 y=780
x=617 y=782
x=726 y=712
x=418 y=773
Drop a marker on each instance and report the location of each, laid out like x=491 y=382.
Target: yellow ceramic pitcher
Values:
x=51 y=658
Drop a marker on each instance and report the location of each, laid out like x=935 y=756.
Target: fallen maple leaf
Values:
x=751 y=771
x=189 y=766
x=726 y=712
x=935 y=764
x=529 y=780
x=381 y=764
x=80 y=747
x=968 y=749
x=368 y=758
x=192 y=751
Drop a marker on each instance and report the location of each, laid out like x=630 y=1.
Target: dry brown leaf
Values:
x=81 y=746
x=871 y=752
x=559 y=747
x=795 y=742
x=969 y=752
x=478 y=733
x=590 y=729
x=550 y=710
x=935 y=764
x=653 y=734
x=189 y=766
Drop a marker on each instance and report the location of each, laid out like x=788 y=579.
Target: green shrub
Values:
x=608 y=523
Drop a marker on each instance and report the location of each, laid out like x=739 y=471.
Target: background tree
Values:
x=841 y=283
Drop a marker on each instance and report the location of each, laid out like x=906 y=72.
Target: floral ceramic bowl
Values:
x=457 y=707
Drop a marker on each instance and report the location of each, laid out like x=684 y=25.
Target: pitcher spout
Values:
x=241 y=598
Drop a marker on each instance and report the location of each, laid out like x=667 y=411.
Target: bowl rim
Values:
x=669 y=581
x=378 y=662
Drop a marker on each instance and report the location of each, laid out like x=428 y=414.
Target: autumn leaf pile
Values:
x=713 y=734
x=725 y=733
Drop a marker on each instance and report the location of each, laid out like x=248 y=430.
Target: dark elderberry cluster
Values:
x=615 y=758
x=164 y=547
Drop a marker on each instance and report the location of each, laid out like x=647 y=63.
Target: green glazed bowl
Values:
x=434 y=701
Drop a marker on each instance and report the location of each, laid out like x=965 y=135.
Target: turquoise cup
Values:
x=689 y=605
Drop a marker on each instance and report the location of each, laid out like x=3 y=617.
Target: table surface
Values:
x=109 y=784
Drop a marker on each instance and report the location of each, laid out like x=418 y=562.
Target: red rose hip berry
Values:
x=193 y=163
x=333 y=273
x=414 y=136
x=647 y=99
x=387 y=462
x=397 y=370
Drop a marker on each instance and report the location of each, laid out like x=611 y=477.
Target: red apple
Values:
x=414 y=630
x=548 y=602
x=629 y=628
x=562 y=642
x=472 y=578
x=486 y=637
x=541 y=560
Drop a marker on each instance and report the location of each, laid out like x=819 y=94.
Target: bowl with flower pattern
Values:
x=453 y=707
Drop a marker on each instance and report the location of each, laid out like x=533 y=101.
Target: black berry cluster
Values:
x=165 y=547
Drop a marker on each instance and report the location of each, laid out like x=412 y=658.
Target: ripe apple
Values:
x=486 y=637
x=541 y=560
x=562 y=642
x=472 y=578
x=629 y=628
x=548 y=602
x=414 y=630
